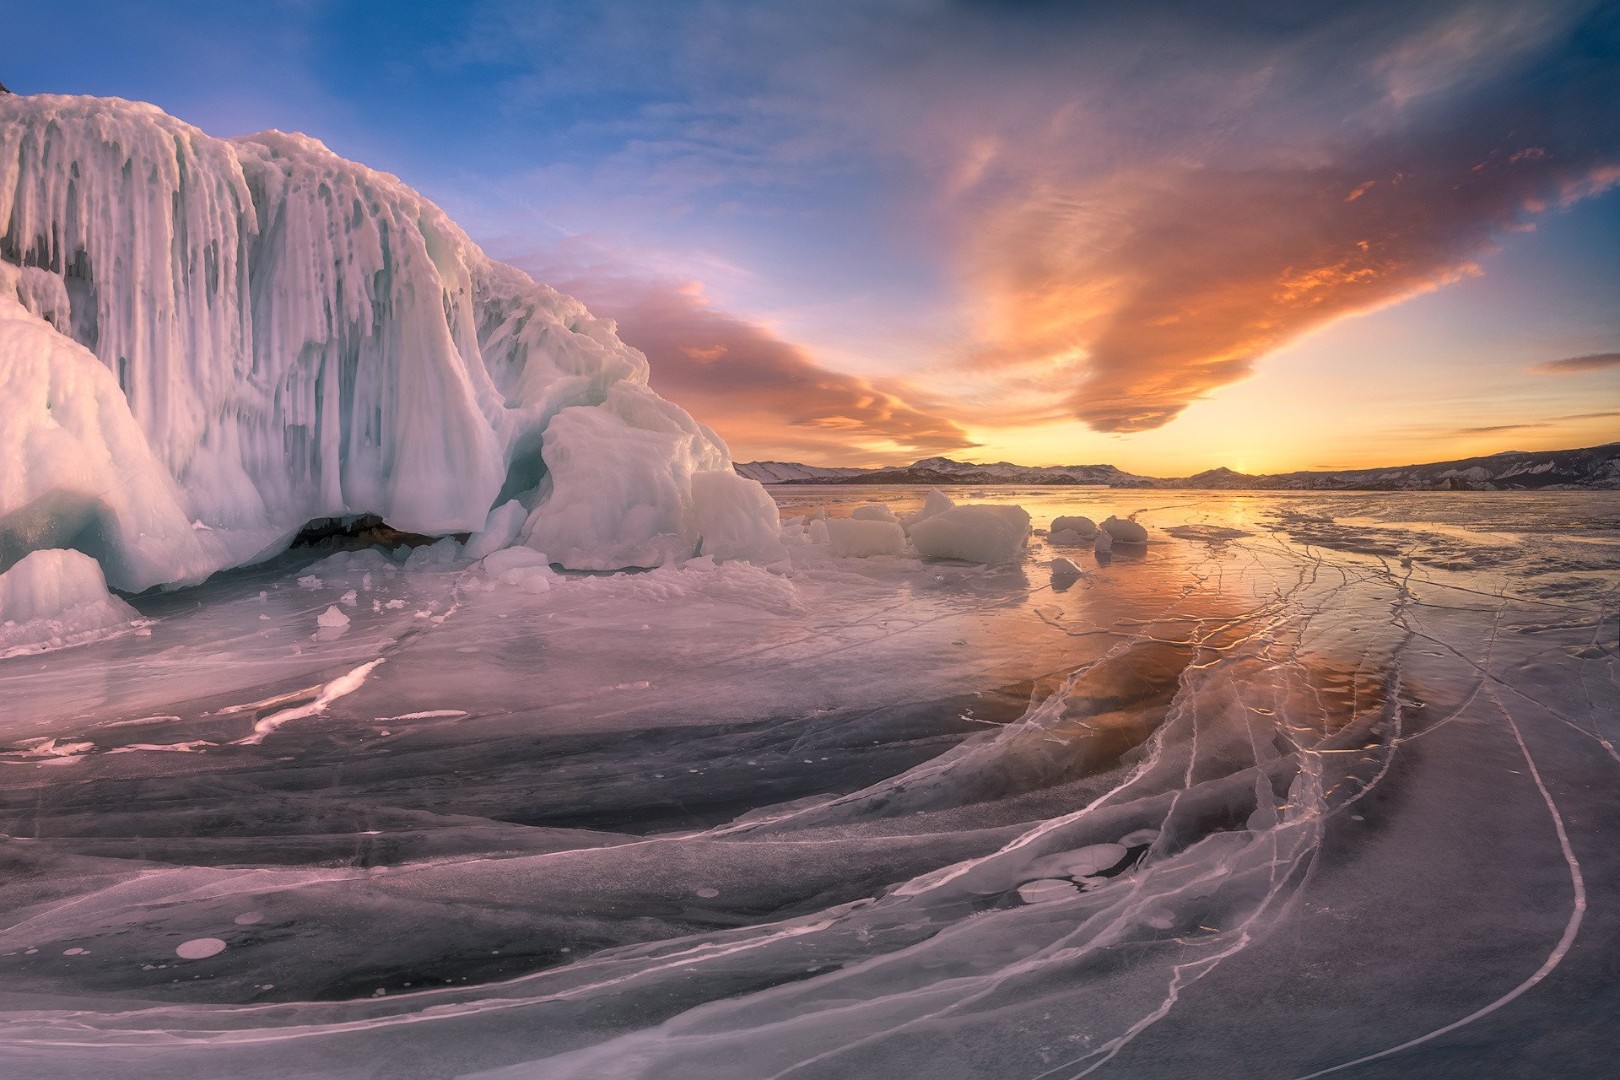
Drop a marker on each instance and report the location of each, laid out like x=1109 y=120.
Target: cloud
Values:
x=1136 y=204
x=1572 y=364
x=768 y=398
x=1175 y=270
x=1531 y=425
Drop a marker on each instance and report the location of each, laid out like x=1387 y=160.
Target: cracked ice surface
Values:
x=1307 y=784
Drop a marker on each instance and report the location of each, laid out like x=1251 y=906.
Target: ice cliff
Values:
x=207 y=343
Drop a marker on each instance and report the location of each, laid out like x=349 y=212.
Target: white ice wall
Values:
x=295 y=337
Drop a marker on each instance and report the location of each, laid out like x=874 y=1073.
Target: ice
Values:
x=1104 y=542
x=500 y=529
x=873 y=512
x=937 y=502
x=735 y=518
x=1082 y=527
x=861 y=538
x=333 y=617
x=621 y=477
x=1046 y=890
x=1065 y=571
x=1124 y=532
x=251 y=334
x=1262 y=807
x=199 y=948
x=53 y=599
x=974 y=533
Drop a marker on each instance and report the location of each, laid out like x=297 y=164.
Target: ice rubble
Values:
x=975 y=533
x=206 y=343
x=861 y=538
x=54 y=598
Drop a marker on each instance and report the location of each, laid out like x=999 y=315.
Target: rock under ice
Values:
x=207 y=343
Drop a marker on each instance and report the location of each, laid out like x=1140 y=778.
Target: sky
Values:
x=1167 y=236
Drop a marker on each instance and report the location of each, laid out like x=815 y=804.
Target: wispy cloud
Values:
x=1572 y=364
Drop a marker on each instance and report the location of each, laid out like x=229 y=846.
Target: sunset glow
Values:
x=862 y=234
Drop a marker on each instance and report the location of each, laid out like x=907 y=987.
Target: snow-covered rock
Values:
x=974 y=533
x=52 y=599
x=249 y=334
x=858 y=538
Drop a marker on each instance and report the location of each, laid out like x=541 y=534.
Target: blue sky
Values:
x=1169 y=236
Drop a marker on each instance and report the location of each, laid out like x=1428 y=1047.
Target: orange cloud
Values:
x=1166 y=287
x=767 y=397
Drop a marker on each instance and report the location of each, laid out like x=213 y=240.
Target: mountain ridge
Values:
x=1593 y=467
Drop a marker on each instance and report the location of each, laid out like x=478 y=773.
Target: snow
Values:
x=52 y=599
x=974 y=533
x=862 y=538
x=250 y=334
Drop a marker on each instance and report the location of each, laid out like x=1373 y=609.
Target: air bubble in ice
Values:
x=199 y=948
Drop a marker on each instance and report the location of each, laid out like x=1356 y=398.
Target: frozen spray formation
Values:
x=207 y=343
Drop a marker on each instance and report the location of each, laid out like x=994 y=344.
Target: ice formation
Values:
x=52 y=599
x=1083 y=527
x=973 y=533
x=206 y=343
x=861 y=538
x=873 y=512
x=1124 y=532
x=937 y=502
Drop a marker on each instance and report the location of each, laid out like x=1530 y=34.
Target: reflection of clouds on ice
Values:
x=866 y=818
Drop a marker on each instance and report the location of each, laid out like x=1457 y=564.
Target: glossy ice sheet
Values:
x=1307 y=781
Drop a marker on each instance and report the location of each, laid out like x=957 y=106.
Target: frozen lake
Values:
x=1310 y=784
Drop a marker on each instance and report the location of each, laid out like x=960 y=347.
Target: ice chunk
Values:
x=439 y=553
x=1124 y=532
x=332 y=618
x=873 y=512
x=1083 y=527
x=1069 y=536
x=974 y=533
x=500 y=530
x=1064 y=570
x=736 y=518
x=937 y=502
x=54 y=598
x=621 y=483
x=854 y=538
x=1104 y=543
x=502 y=563
x=1047 y=889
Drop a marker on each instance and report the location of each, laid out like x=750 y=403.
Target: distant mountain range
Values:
x=1593 y=467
